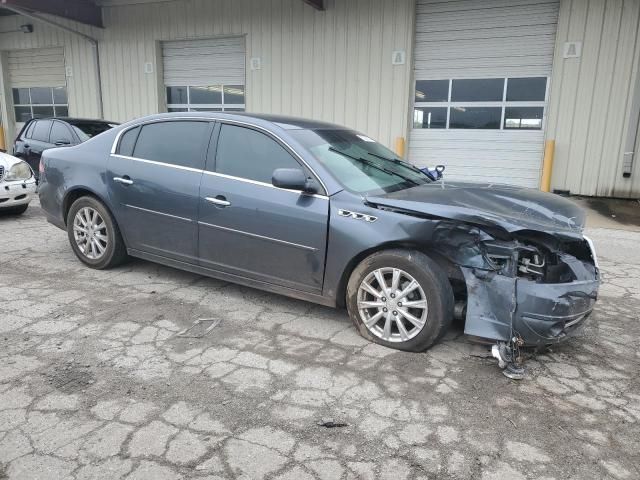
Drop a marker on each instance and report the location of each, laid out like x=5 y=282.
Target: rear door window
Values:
x=246 y=153
x=41 y=131
x=175 y=142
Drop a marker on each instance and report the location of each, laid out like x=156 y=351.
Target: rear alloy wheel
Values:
x=94 y=234
x=401 y=299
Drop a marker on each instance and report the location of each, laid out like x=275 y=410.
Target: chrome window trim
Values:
x=264 y=184
x=114 y=146
x=158 y=213
x=162 y=164
x=215 y=174
x=255 y=235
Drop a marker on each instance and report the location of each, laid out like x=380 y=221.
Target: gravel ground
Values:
x=97 y=382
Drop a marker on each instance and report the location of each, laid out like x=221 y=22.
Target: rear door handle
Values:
x=123 y=180
x=220 y=200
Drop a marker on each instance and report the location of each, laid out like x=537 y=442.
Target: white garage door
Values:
x=38 y=83
x=482 y=70
x=205 y=75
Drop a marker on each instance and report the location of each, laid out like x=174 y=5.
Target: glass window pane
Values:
x=60 y=96
x=41 y=95
x=21 y=96
x=60 y=133
x=233 y=94
x=246 y=153
x=432 y=90
x=178 y=109
x=477 y=90
x=213 y=109
x=40 y=112
x=41 y=131
x=127 y=141
x=29 y=131
x=528 y=118
x=430 y=117
x=177 y=142
x=205 y=95
x=23 y=114
x=531 y=89
x=176 y=95
x=475 y=117
x=61 y=111
x=227 y=109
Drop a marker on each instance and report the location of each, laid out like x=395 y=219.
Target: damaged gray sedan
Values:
x=322 y=213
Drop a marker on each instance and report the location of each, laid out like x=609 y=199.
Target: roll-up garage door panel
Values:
x=43 y=67
x=204 y=62
x=485 y=38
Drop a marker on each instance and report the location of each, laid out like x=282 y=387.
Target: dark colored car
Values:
x=323 y=213
x=40 y=134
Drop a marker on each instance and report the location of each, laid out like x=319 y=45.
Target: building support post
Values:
x=547 y=165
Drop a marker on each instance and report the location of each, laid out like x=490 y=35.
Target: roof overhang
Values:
x=83 y=11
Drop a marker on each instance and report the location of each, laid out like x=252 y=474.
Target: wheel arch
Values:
x=452 y=270
x=81 y=191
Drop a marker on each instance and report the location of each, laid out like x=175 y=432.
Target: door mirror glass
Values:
x=292 y=179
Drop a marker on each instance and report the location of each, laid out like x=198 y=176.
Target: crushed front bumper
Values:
x=14 y=194
x=501 y=307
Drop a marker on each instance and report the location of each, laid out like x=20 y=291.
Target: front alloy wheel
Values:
x=392 y=304
x=400 y=299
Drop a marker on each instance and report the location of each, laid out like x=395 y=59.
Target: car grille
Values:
x=1 y=172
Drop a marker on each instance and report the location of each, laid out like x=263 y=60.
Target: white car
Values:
x=17 y=184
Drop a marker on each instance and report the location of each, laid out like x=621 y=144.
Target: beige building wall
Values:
x=333 y=65
x=591 y=97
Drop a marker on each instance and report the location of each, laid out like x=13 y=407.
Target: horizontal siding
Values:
x=591 y=97
x=204 y=62
x=36 y=68
x=500 y=157
x=472 y=38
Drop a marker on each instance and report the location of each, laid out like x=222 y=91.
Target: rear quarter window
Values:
x=128 y=142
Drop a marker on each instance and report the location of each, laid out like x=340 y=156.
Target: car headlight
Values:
x=19 y=171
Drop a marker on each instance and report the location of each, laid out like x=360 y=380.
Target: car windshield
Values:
x=359 y=163
x=86 y=130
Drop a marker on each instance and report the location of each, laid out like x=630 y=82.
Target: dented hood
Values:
x=508 y=207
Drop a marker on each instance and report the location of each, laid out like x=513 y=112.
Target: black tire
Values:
x=115 y=252
x=435 y=286
x=19 y=210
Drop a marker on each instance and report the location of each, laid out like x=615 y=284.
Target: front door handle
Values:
x=220 y=201
x=123 y=180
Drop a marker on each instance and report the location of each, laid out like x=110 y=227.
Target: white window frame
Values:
x=194 y=107
x=503 y=104
x=31 y=104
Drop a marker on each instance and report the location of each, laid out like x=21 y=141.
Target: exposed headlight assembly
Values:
x=20 y=171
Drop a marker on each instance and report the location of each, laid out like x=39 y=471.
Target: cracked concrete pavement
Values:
x=95 y=383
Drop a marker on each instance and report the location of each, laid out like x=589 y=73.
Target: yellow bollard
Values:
x=547 y=165
x=3 y=145
x=399 y=147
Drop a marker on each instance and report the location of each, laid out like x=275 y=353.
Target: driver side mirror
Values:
x=293 y=179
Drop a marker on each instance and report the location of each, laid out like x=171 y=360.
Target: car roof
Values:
x=283 y=121
x=75 y=120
